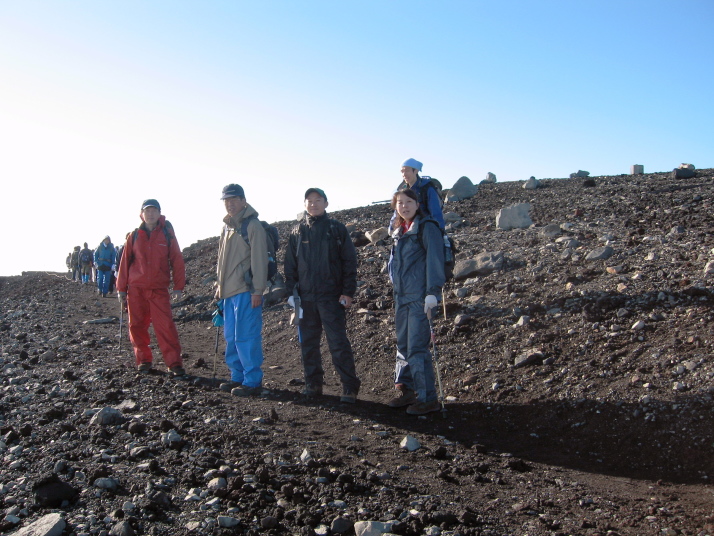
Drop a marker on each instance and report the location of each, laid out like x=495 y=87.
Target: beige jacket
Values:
x=242 y=267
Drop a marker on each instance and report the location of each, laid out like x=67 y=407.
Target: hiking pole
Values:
x=217 y=320
x=436 y=364
x=215 y=358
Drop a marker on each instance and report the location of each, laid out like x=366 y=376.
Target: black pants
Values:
x=330 y=316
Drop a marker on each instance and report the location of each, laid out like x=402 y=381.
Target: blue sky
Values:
x=104 y=104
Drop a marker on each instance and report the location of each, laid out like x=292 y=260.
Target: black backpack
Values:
x=449 y=248
x=273 y=241
x=85 y=256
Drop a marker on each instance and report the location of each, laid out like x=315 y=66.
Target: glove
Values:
x=291 y=301
x=114 y=267
x=176 y=295
x=121 y=296
x=429 y=303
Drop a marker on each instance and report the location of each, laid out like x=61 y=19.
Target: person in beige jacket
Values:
x=242 y=279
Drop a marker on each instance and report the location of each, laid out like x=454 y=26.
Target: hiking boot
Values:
x=312 y=390
x=229 y=386
x=348 y=397
x=244 y=390
x=404 y=397
x=144 y=368
x=422 y=408
x=178 y=372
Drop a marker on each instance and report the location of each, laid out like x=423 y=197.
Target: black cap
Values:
x=150 y=203
x=232 y=190
x=317 y=191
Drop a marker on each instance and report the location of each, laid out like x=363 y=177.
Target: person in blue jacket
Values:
x=416 y=269
x=427 y=194
x=105 y=259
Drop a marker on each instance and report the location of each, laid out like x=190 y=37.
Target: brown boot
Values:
x=405 y=397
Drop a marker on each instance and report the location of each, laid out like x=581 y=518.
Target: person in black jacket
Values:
x=321 y=269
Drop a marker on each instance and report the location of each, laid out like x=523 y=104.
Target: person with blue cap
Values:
x=429 y=198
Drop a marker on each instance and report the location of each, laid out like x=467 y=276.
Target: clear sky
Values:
x=104 y=104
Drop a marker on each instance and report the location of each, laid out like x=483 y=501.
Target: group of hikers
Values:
x=320 y=269
x=95 y=266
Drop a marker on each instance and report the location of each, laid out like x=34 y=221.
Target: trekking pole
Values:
x=436 y=364
x=121 y=322
x=215 y=358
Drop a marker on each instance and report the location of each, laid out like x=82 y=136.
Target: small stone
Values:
x=410 y=443
x=227 y=522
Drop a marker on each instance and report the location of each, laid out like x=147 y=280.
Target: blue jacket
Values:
x=433 y=203
x=105 y=255
x=417 y=270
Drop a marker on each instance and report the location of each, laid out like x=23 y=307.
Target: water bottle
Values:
x=448 y=254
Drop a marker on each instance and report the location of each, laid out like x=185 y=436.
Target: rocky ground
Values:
x=579 y=392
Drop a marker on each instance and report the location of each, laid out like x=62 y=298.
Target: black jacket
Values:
x=321 y=260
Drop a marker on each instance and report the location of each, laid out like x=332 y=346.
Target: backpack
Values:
x=85 y=256
x=272 y=240
x=449 y=249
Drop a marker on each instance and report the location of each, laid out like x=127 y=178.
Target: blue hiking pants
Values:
x=104 y=277
x=244 y=341
x=414 y=367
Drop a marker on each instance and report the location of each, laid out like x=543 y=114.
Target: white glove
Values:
x=291 y=301
x=114 y=267
x=429 y=303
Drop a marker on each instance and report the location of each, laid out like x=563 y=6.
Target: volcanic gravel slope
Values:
x=607 y=428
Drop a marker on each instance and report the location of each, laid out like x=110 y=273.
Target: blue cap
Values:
x=412 y=163
x=150 y=203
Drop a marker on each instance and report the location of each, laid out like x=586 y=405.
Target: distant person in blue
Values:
x=86 y=262
x=427 y=194
x=105 y=259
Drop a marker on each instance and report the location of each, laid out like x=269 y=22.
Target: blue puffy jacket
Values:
x=417 y=269
x=105 y=255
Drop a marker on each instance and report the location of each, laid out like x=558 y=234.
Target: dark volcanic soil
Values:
x=608 y=430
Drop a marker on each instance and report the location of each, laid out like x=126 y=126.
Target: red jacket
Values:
x=148 y=261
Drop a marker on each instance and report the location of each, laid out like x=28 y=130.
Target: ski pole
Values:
x=436 y=365
x=121 y=322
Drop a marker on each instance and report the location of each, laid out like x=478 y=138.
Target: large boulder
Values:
x=531 y=184
x=462 y=189
x=514 y=217
x=482 y=264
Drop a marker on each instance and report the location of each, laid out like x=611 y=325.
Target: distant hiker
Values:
x=105 y=258
x=242 y=279
x=427 y=195
x=86 y=262
x=152 y=257
x=416 y=269
x=321 y=268
x=68 y=262
x=75 y=264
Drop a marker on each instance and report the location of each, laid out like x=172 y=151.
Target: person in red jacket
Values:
x=151 y=256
